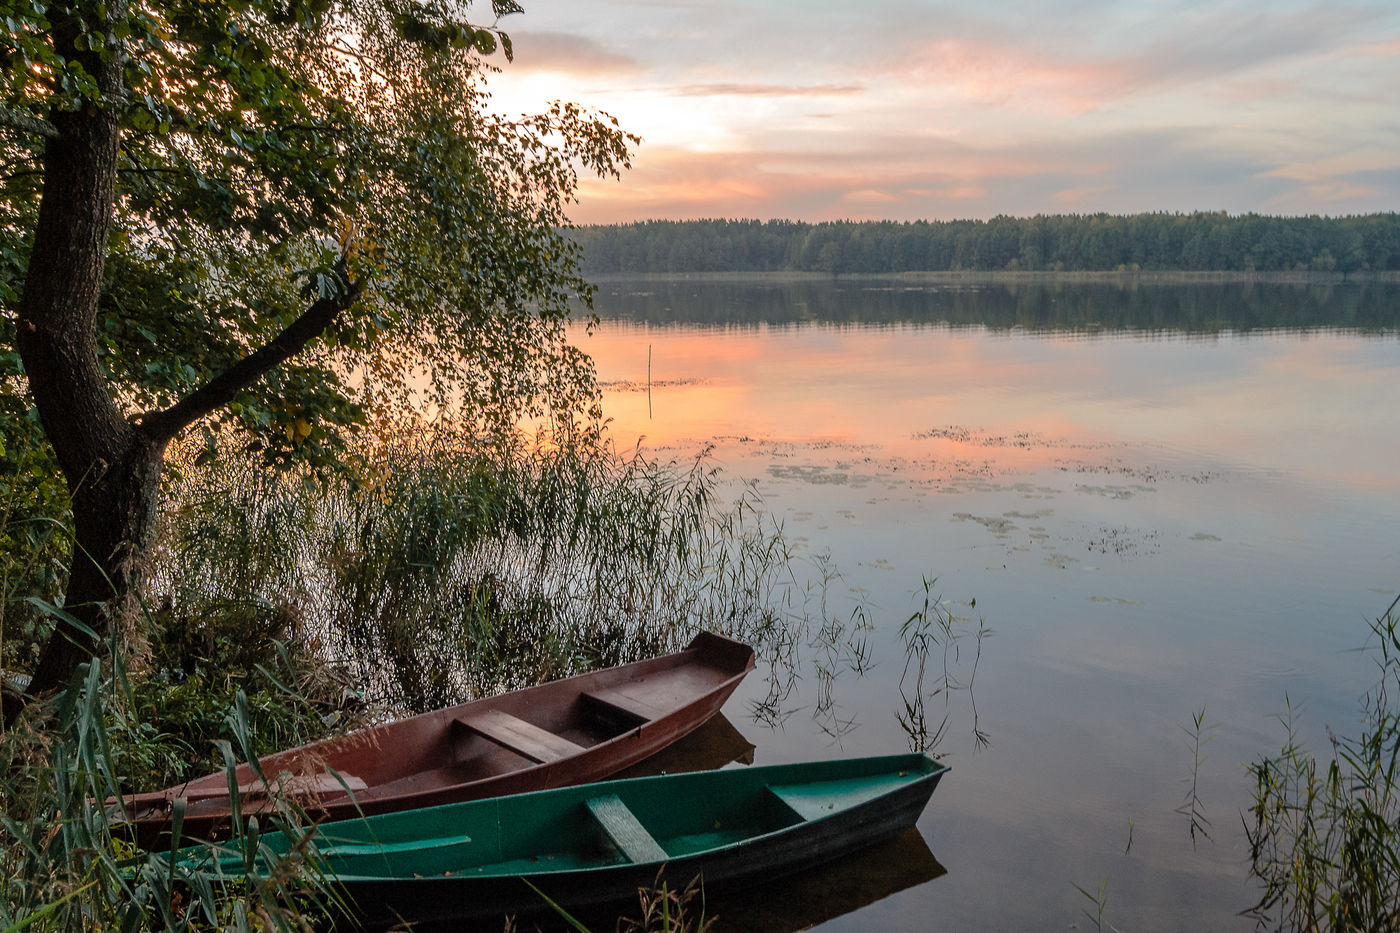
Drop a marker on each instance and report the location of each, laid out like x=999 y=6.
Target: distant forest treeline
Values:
x=1066 y=242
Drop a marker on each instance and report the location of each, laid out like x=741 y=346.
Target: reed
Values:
x=64 y=865
x=1193 y=807
x=450 y=567
x=1324 y=835
x=932 y=635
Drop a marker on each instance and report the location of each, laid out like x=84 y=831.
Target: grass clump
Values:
x=1325 y=836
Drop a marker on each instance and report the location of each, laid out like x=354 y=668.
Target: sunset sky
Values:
x=818 y=110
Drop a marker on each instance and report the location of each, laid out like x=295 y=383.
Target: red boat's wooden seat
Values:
x=523 y=738
x=626 y=702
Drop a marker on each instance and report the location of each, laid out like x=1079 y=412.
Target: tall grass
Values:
x=65 y=866
x=452 y=568
x=1325 y=835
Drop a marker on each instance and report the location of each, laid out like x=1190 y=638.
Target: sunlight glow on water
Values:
x=1151 y=523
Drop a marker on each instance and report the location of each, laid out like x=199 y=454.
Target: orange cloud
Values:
x=951 y=193
x=870 y=195
x=861 y=184
x=1328 y=169
x=1071 y=196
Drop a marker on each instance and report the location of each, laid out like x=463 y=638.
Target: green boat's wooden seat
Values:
x=800 y=800
x=623 y=828
x=523 y=738
x=618 y=699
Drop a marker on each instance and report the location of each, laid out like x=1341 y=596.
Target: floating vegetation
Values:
x=1023 y=439
x=815 y=474
x=1114 y=492
x=1125 y=542
x=1114 y=601
x=998 y=526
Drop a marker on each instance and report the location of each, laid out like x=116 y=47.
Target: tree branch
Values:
x=161 y=426
x=27 y=123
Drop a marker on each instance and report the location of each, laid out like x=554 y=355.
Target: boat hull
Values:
x=567 y=732
x=728 y=828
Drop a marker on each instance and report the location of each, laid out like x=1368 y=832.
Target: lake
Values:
x=1162 y=500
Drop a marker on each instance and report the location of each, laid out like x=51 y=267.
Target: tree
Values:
x=268 y=219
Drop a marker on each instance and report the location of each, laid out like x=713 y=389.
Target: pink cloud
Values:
x=679 y=184
x=1011 y=75
x=767 y=90
x=1211 y=48
x=571 y=54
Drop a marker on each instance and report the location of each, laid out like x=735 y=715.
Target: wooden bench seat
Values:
x=618 y=699
x=804 y=806
x=624 y=829
x=523 y=738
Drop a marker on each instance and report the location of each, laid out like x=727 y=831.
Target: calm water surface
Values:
x=1162 y=500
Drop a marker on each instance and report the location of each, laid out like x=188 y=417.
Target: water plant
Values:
x=1193 y=808
x=1324 y=836
x=933 y=633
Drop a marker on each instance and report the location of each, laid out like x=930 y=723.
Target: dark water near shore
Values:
x=1161 y=499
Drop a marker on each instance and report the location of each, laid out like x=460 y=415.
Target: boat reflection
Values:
x=785 y=905
x=829 y=891
x=713 y=745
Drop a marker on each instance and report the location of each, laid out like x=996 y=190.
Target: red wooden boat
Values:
x=570 y=731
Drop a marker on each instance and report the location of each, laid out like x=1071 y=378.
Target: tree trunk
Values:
x=113 y=515
x=112 y=464
x=112 y=468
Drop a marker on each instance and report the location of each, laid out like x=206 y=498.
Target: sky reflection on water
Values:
x=1152 y=525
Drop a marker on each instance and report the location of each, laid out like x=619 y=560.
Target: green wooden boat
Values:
x=592 y=846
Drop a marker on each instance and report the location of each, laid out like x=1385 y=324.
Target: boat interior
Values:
x=569 y=831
